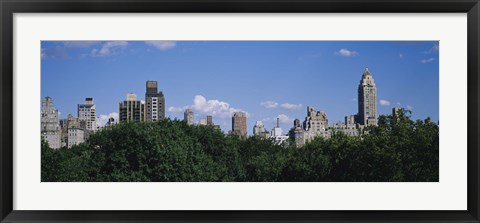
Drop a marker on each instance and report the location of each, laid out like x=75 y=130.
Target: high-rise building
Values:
x=155 y=102
x=367 y=100
x=87 y=112
x=131 y=109
x=188 y=116
x=50 y=127
x=239 y=124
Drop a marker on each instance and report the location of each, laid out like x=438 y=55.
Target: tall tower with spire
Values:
x=367 y=100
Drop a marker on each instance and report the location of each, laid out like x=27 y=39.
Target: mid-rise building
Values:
x=259 y=130
x=349 y=130
x=202 y=122
x=299 y=136
x=396 y=111
x=188 y=116
x=76 y=132
x=367 y=100
x=239 y=124
x=50 y=127
x=315 y=125
x=209 y=120
x=296 y=124
x=277 y=134
x=277 y=131
x=350 y=120
x=87 y=112
x=155 y=102
x=316 y=122
x=111 y=121
x=131 y=109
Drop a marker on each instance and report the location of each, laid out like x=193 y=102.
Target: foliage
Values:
x=398 y=149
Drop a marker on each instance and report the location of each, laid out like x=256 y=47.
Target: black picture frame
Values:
x=9 y=7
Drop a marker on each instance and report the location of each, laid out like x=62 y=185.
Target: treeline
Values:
x=399 y=149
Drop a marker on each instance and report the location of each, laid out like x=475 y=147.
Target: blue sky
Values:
x=266 y=79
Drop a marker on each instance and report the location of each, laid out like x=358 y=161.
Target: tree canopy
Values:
x=398 y=149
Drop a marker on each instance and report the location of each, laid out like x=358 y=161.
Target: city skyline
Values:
x=265 y=79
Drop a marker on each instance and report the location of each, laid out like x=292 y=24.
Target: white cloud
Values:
x=177 y=109
x=384 y=102
x=401 y=56
x=409 y=107
x=289 y=106
x=213 y=107
x=284 y=118
x=432 y=50
x=109 y=48
x=346 y=53
x=162 y=45
x=265 y=120
x=269 y=104
x=427 y=60
x=57 y=52
x=103 y=119
x=216 y=108
x=80 y=44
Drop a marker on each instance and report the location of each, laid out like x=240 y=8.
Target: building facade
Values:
x=87 y=112
x=209 y=120
x=202 y=122
x=277 y=134
x=316 y=122
x=188 y=116
x=239 y=124
x=259 y=129
x=76 y=132
x=367 y=100
x=344 y=128
x=154 y=102
x=50 y=127
x=131 y=109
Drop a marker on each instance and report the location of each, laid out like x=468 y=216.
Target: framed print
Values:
x=258 y=111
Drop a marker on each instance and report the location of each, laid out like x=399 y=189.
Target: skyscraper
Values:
x=131 y=109
x=239 y=124
x=155 y=102
x=50 y=127
x=87 y=112
x=367 y=100
x=188 y=116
